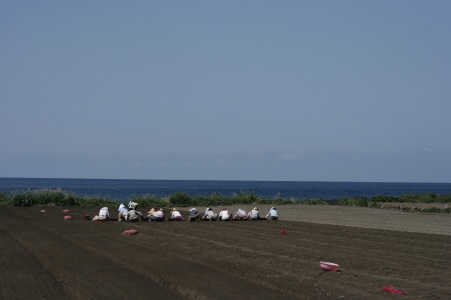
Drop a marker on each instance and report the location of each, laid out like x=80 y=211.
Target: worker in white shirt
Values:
x=225 y=215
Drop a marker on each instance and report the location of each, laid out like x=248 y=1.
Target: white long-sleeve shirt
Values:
x=255 y=214
x=175 y=214
x=272 y=213
x=123 y=209
x=104 y=212
x=241 y=213
x=209 y=213
x=224 y=214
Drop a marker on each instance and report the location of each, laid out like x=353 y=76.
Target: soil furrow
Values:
x=205 y=260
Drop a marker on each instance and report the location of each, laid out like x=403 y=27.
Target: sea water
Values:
x=122 y=190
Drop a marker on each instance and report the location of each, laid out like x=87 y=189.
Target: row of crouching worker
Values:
x=131 y=214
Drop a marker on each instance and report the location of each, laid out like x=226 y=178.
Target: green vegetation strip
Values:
x=58 y=197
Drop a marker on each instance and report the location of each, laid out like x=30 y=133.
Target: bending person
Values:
x=225 y=215
x=193 y=214
x=123 y=211
x=103 y=215
x=272 y=214
x=133 y=205
x=133 y=215
x=156 y=216
x=240 y=214
x=254 y=214
x=209 y=214
x=176 y=215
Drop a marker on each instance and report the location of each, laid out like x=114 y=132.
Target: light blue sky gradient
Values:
x=226 y=90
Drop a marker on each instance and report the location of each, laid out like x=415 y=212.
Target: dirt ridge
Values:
x=48 y=257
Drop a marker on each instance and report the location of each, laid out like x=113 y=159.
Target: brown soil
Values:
x=43 y=256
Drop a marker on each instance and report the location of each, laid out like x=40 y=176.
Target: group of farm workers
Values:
x=131 y=214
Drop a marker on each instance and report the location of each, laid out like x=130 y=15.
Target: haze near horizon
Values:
x=235 y=90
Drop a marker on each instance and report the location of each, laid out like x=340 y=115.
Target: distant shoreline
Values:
x=226 y=180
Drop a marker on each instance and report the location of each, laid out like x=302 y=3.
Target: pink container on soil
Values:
x=328 y=266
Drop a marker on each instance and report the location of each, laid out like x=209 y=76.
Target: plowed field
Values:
x=43 y=256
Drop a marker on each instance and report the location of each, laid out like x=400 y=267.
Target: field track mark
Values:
x=375 y=260
x=265 y=279
x=20 y=272
x=164 y=286
x=270 y=257
x=160 y=281
x=369 y=258
x=27 y=262
x=352 y=241
x=203 y=266
x=189 y=293
x=268 y=283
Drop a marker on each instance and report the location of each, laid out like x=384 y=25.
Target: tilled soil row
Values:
x=48 y=257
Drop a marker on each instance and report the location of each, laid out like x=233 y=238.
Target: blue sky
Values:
x=226 y=90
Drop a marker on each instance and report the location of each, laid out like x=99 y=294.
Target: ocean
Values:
x=123 y=190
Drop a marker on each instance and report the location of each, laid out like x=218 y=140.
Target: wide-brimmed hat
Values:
x=192 y=209
x=105 y=208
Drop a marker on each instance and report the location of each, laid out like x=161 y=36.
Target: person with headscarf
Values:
x=193 y=214
x=272 y=214
x=240 y=214
x=133 y=215
x=103 y=215
x=156 y=216
x=225 y=215
x=123 y=211
x=254 y=214
x=133 y=205
x=209 y=214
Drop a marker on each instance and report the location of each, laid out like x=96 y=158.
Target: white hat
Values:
x=192 y=209
x=132 y=204
x=105 y=208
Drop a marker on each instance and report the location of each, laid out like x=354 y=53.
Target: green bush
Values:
x=384 y=198
x=313 y=201
x=217 y=199
x=23 y=200
x=150 y=201
x=95 y=202
x=40 y=197
x=4 y=200
x=213 y=200
x=59 y=197
x=344 y=201
x=425 y=198
x=375 y=201
x=56 y=197
x=180 y=199
x=437 y=210
x=244 y=198
x=362 y=201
